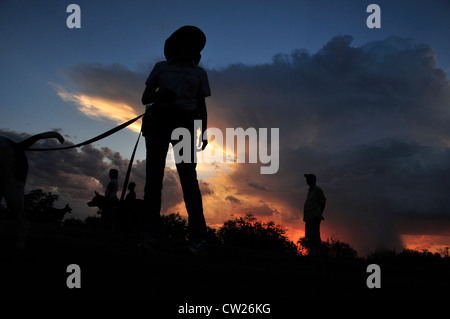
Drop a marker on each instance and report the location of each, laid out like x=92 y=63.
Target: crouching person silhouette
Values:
x=176 y=89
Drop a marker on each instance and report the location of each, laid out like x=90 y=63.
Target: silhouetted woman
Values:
x=176 y=89
x=110 y=209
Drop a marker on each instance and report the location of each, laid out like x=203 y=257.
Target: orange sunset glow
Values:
x=100 y=108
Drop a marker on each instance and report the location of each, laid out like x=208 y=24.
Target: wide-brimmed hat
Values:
x=188 y=31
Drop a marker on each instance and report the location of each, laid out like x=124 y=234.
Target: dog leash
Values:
x=127 y=176
x=92 y=140
x=97 y=138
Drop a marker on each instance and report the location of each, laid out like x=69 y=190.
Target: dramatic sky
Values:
x=366 y=110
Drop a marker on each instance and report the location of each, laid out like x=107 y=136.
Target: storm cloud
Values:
x=371 y=122
x=75 y=174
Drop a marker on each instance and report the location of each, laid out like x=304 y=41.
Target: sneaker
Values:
x=197 y=248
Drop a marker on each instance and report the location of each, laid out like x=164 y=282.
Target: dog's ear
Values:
x=96 y=193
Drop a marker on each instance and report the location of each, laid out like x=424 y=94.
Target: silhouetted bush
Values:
x=408 y=256
x=382 y=255
x=212 y=236
x=338 y=249
x=92 y=222
x=249 y=232
x=415 y=254
x=444 y=252
x=175 y=226
x=331 y=248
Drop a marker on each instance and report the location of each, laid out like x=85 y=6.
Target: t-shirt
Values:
x=188 y=82
x=111 y=189
x=314 y=204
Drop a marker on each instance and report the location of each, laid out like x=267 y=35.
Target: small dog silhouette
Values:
x=13 y=174
x=56 y=215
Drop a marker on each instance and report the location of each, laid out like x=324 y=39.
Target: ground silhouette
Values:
x=112 y=267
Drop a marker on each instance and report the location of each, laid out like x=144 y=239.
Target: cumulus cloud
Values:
x=371 y=122
x=75 y=174
x=104 y=92
x=233 y=199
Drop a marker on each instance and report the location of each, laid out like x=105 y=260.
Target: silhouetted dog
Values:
x=129 y=215
x=97 y=201
x=56 y=215
x=105 y=211
x=13 y=174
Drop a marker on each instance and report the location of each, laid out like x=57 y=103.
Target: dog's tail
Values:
x=33 y=139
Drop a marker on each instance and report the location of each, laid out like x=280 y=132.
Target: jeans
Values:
x=157 y=130
x=312 y=233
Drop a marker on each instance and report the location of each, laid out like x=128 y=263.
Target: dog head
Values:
x=97 y=201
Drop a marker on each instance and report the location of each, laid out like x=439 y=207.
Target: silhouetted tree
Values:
x=37 y=202
x=444 y=252
x=249 y=232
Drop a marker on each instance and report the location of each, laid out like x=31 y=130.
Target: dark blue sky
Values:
x=37 y=47
x=371 y=120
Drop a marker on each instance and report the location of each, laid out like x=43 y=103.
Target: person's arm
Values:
x=204 y=118
x=115 y=187
x=151 y=92
x=204 y=92
x=323 y=200
x=150 y=95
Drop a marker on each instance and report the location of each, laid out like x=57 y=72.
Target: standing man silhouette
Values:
x=312 y=213
x=176 y=89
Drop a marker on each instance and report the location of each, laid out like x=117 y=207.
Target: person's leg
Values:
x=317 y=238
x=193 y=200
x=157 y=144
x=315 y=235
x=308 y=230
x=189 y=184
x=312 y=234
